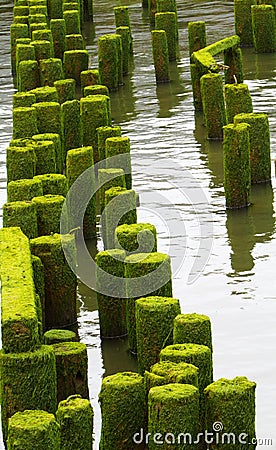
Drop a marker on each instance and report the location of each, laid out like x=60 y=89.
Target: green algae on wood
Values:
x=37 y=18
x=259 y=142
x=123 y=402
x=23 y=99
x=38 y=35
x=167 y=21
x=23 y=374
x=28 y=76
x=19 y=317
x=95 y=89
x=233 y=402
x=17 y=31
x=72 y=369
x=75 y=418
x=21 y=163
x=53 y=183
x=109 y=62
x=48 y=117
x=45 y=94
x=103 y=133
x=112 y=309
x=55 y=138
x=154 y=271
x=24 y=122
x=160 y=55
x=192 y=328
x=109 y=178
x=45 y=157
x=66 y=89
x=170 y=372
x=154 y=317
x=33 y=430
x=75 y=62
x=24 y=52
x=197 y=36
x=237 y=172
x=60 y=281
x=24 y=190
x=55 y=336
x=117 y=152
x=55 y=9
x=213 y=104
x=243 y=21
x=264 y=28
x=124 y=32
x=137 y=237
x=43 y=49
x=38 y=277
x=49 y=209
x=72 y=22
x=58 y=30
x=237 y=100
x=74 y=42
x=71 y=125
x=50 y=70
x=37 y=26
x=21 y=214
x=173 y=407
x=122 y=19
x=233 y=61
x=89 y=78
x=78 y=161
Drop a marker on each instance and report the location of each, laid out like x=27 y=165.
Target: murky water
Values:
x=224 y=262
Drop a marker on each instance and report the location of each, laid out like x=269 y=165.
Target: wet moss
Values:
x=112 y=310
x=154 y=317
x=72 y=22
x=24 y=373
x=171 y=372
x=55 y=138
x=103 y=133
x=243 y=21
x=17 y=30
x=38 y=9
x=43 y=50
x=259 y=142
x=48 y=118
x=21 y=163
x=237 y=100
x=233 y=403
x=50 y=71
x=213 y=104
x=137 y=266
x=24 y=190
x=44 y=35
x=45 y=94
x=138 y=237
x=167 y=21
x=53 y=183
x=49 y=209
x=264 y=28
x=55 y=9
x=60 y=281
x=233 y=59
x=89 y=78
x=19 y=318
x=33 y=430
x=75 y=418
x=160 y=55
x=109 y=62
x=75 y=62
x=21 y=214
x=174 y=407
x=124 y=32
x=116 y=146
x=37 y=18
x=58 y=30
x=72 y=368
x=66 y=90
x=38 y=277
x=123 y=403
x=109 y=178
x=28 y=76
x=45 y=157
x=57 y=336
x=71 y=125
x=74 y=42
x=78 y=160
x=237 y=172
x=197 y=36
x=95 y=89
x=24 y=122
x=192 y=328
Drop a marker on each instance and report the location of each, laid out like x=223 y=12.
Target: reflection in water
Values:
x=170 y=94
x=263 y=212
x=116 y=356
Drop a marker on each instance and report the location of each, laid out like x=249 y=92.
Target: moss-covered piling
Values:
x=50 y=71
x=23 y=99
x=58 y=29
x=124 y=32
x=123 y=403
x=24 y=122
x=109 y=61
x=103 y=133
x=53 y=183
x=55 y=138
x=57 y=336
x=66 y=90
x=138 y=237
x=264 y=28
x=95 y=90
x=45 y=94
x=89 y=78
x=154 y=318
x=21 y=214
x=167 y=21
x=49 y=209
x=24 y=190
x=166 y=372
x=192 y=328
x=45 y=157
x=196 y=35
x=21 y=163
x=28 y=76
x=160 y=55
x=75 y=62
x=48 y=118
x=43 y=49
x=122 y=19
x=72 y=21
x=74 y=42
x=243 y=21
x=233 y=62
x=17 y=31
x=71 y=125
x=211 y=86
x=108 y=178
x=119 y=147
x=237 y=100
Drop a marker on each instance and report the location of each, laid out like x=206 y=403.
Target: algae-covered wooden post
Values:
x=43 y=49
x=28 y=76
x=123 y=406
x=71 y=125
x=192 y=328
x=211 y=86
x=75 y=61
x=24 y=190
x=78 y=161
x=72 y=21
x=153 y=272
x=233 y=401
x=21 y=214
x=21 y=163
x=112 y=309
x=152 y=9
x=72 y=369
x=119 y=147
x=237 y=100
x=20 y=372
x=233 y=61
x=45 y=94
x=24 y=122
x=173 y=414
x=48 y=118
x=103 y=133
x=167 y=21
x=58 y=29
x=122 y=19
x=50 y=70
x=49 y=209
x=137 y=237
x=17 y=31
x=57 y=336
x=154 y=317
x=25 y=99
x=94 y=113
x=45 y=157
x=108 y=178
x=55 y=9
x=66 y=90
x=243 y=21
x=264 y=28
x=56 y=139
x=38 y=277
x=165 y=372
x=95 y=89
x=89 y=77
x=28 y=428
x=74 y=42
x=75 y=418
x=237 y=174
x=259 y=142
x=124 y=32
x=160 y=55
x=44 y=35
x=196 y=35
x=53 y=183
x=109 y=62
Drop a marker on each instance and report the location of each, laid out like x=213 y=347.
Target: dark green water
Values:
x=223 y=262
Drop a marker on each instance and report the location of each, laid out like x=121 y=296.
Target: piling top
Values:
x=224 y=387
x=173 y=371
x=31 y=420
x=122 y=380
x=147 y=258
x=187 y=350
x=173 y=392
x=69 y=348
x=192 y=318
x=154 y=303
x=74 y=403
